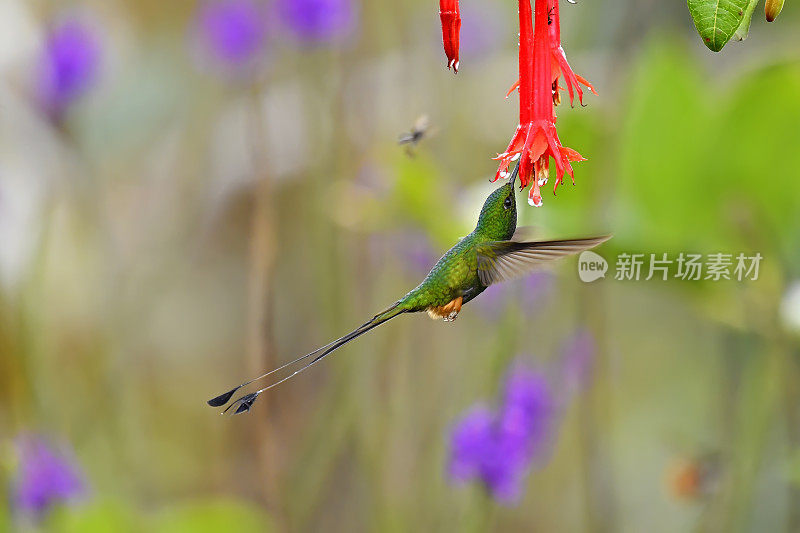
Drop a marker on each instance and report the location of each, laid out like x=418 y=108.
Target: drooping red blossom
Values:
x=536 y=140
x=451 y=31
x=560 y=64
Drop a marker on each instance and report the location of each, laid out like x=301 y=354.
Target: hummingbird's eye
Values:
x=507 y=202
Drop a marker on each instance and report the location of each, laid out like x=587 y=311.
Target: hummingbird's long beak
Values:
x=515 y=172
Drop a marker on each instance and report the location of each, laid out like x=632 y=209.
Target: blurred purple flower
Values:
x=497 y=447
x=315 y=22
x=44 y=477
x=233 y=31
x=527 y=409
x=473 y=439
x=68 y=65
x=578 y=361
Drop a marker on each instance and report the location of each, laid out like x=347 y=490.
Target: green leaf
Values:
x=718 y=20
x=744 y=26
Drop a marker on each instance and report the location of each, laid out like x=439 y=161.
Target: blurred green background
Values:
x=182 y=227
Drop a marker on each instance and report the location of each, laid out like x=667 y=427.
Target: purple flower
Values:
x=472 y=440
x=497 y=447
x=44 y=477
x=480 y=451
x=527 y=409
x=316 y=22
x=68 y=65
x=233 y=31
x=578 y=361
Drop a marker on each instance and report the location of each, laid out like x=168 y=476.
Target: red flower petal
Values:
x=571 y=154
x=538 y=146
x=514 y=148
x=511 y=90
x=588 y=85
x=450 y=15
x=571 y=79
x=541 y=63
x=559 y=58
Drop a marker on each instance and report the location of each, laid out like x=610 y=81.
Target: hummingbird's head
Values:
x=498 y=218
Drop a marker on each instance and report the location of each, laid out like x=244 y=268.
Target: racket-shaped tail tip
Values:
x=243 y=404
x=222 y=399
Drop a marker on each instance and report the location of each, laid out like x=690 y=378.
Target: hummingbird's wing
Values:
x=504 y=260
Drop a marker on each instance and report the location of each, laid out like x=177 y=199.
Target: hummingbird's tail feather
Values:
x=244 y=403
x=222 y=399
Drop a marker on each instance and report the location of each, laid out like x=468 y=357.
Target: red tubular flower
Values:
x=451 y=30
x=536 y=139
x=560 y=64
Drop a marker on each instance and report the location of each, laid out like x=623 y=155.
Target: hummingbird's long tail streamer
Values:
x=244 y=403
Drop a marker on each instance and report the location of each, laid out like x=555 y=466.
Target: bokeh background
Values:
x=193 y=192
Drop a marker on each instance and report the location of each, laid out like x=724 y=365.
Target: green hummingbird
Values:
x=490 y=254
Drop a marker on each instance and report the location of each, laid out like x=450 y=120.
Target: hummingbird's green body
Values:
x=487 y=255
x=455 y=275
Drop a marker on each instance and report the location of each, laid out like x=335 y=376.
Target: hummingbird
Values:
x=489 y=254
